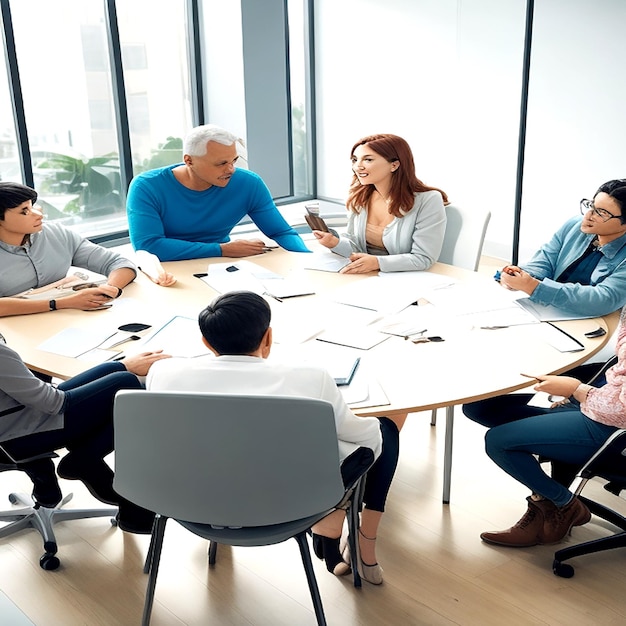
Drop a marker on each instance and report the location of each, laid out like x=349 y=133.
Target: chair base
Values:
x=42 y=519
x=618 y=540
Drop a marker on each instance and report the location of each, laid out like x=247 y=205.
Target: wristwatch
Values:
x=53 y=305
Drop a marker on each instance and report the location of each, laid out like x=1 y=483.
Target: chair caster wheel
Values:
x=564 y=570
x=49 y=562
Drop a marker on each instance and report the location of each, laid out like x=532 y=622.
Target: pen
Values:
x=266 y=249
x=271 y=296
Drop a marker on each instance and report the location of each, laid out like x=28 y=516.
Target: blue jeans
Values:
x=565 y=436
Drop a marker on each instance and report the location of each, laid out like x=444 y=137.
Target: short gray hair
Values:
x=195 y=142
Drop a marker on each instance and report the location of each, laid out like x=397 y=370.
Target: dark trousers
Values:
x=88 y=415
x=380 y=474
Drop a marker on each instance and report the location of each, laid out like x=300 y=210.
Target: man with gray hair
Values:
x=187 y=211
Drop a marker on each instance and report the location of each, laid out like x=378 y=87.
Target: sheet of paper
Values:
x=180 y=336
x=324 y=261
x=226 y=277
x=360 y=338
x=483 y=305
x=373 y=294
x=559 y=339
x=248 y=276
x=544 y=400
x=364 y=394
x=74 y=342
x=410 y=321
x=545 y=313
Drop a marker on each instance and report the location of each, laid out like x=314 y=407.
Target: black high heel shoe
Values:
x=327 y=550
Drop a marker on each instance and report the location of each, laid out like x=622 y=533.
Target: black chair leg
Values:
x=212 y=552
x=354 y=508
x=310 y=576
x=156 y=544
x=590 y=547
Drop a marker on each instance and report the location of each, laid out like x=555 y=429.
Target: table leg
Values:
x=447 y=455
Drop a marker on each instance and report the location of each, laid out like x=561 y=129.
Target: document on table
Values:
x=389 y=293
x=248 y=276
x=324 y=261
x=483 y=305
x=559 y=339
x=360 y=338
x=179 y=336
x=549 y=313
x=364 y=393
x=79 y=342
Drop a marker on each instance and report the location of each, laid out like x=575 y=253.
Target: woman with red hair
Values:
x=396 y=223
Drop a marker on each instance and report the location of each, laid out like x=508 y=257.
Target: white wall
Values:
x=446 y=75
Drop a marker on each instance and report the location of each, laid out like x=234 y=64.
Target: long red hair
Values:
x=404 y=183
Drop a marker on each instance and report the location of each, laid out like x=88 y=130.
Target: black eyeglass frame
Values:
x=588 y=205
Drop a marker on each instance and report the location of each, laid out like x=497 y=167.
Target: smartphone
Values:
x=315 y=222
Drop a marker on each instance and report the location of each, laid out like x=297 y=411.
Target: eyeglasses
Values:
x=603 y=214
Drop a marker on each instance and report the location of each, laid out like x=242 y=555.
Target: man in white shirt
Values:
x=236 y=328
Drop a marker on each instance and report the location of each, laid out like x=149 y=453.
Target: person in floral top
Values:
x=570 y=434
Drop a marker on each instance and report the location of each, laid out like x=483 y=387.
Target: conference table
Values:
x=471 y=363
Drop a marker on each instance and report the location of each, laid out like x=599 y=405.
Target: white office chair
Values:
x=236 y=470
x=464 y=237
x=463 y=244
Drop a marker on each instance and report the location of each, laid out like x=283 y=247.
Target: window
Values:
x=94 y=119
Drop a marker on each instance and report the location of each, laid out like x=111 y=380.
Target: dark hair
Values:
x=617 y=190
x=235 y=322
x=14 y=194
x=404 y=183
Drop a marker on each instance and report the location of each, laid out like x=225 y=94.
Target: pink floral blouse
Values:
x=607 y=404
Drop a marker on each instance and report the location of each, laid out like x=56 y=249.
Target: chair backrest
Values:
x=464 y=237
x=609 y=462
x=226 y=460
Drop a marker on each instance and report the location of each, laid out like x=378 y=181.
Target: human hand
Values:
x=243 y=247
x=164 y=279
x=326 y=239
x=516 y=279
x=557 y=385
x=139 y=364
x=361 y=264
x=89 y=298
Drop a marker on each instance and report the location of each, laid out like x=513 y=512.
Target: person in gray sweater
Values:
x=34 y=255
x=37 y=417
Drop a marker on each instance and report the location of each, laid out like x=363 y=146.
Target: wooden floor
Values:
x=437 y=571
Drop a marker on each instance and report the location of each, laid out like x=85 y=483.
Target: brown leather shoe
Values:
x=558 y=522
x=523 y=534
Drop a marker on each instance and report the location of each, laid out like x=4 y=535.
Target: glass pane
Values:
x=157 y=79
x=66 y=83
x=9 y=162
x=298 y=55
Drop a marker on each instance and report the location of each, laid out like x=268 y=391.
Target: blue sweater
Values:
x=176 y=223
x=607 y=291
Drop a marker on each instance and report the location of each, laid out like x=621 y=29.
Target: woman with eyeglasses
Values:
x=582 y=269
